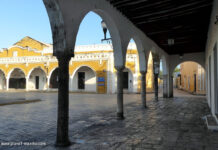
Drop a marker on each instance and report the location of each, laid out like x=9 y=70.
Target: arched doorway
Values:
x=127 y=80
x=17 y=79
x=2 y=80
x=132 y=67
x=190 y=76
x=54 y=79
x=37 y=79
x=84 y=79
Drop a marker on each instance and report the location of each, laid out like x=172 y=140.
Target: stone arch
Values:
x=57 y=26
x=189 y=81
x=17 y=79
x=84 y=78
x=119 y=45
x=175 y=60
x=9 y=73
x=38 y=67
x=50 y=73
x=175 y=65
x=66 y=16
x=141 y=53
x=36 y=79
x=2 y=80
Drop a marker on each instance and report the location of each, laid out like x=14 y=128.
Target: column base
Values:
x=63 y=144
x=120 y=116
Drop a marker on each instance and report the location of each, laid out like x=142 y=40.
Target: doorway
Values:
x=37 y=82
x=125 y=80
x=81 y=80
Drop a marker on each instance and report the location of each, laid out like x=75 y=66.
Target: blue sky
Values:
x=20 y=18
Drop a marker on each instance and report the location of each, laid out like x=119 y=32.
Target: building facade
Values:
x=192 y=78
x=29 y=64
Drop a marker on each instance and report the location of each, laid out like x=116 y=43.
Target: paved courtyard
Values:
x=167 y=124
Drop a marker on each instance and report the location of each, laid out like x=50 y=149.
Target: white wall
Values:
x=32 y=80
x=2 y=81
x=211 y=41
x=90 y=80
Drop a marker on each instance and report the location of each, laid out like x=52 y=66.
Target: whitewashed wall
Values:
x=211 y=42
x=2 y=81
x=90 y=80
x=32 y=80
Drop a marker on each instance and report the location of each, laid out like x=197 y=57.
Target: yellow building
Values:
x=29 y=64
x=192 y=78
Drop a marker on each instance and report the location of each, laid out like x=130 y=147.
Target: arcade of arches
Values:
x=171 y=34
x=88 y=72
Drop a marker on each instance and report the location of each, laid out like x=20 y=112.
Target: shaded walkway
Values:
x=168 y=124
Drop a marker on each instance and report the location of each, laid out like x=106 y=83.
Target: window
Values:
x=15 y=54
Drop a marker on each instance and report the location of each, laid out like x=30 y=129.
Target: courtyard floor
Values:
x=169 y=124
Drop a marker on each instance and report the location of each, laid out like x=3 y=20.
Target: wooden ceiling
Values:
x=185 y=21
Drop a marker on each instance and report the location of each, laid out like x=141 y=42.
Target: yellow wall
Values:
x=30 y=47
x=188 y=69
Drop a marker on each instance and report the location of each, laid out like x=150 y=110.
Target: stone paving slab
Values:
x=169 y=124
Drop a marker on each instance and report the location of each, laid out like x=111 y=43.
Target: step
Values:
x=211 y=123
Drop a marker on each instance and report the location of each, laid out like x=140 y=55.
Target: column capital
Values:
x=165 y=75
x=64 y=57
x=119 y=68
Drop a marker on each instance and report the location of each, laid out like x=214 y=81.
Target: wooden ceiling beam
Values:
x=178 y=10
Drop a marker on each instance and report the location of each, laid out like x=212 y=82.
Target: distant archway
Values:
x=84 y=79
x=17 y=79
x=191 y=77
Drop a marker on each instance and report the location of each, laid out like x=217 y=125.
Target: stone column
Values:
x=71 y=83
x=143 y=88
x=62 y=138
x=156 y=86
x=120 y=115
x=27 y=82
x=48 y=83
x=165 y=86
x=7 y=84
x=170 y=94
